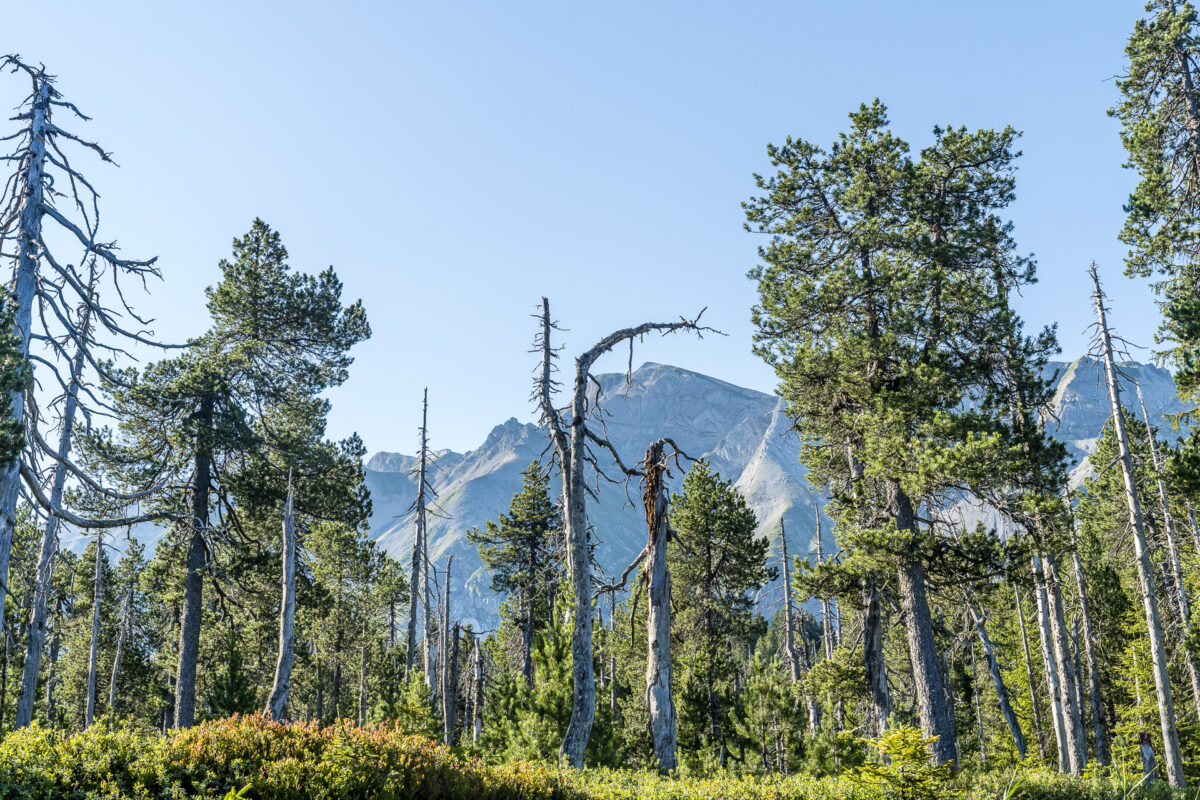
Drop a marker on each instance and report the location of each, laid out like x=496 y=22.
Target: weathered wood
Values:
x=1073 y=728
x=1010 y=716
x=277 y=700
x=1033 y=698
x=1051 y=667
x=477 y=694
x=659 y=698
x=94 y=648
x=1172 y=757
x=1099 y=727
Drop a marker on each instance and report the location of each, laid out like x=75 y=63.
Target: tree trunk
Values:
x=659 y=698
x=450 y=690
x=935 y=713
x=873 y=661
x=1014 y=727
x=1073 y=727
x=477 y=688
x=29 y=236
x=122 y=632
x=277 y=700
x=1174 y=571
x=789 y=624
x=94 y=650
x=447 y=691
x=1158 y=651
x=1099 y=728
x=1052 y=679
x=1033 y=700
x=193 y=586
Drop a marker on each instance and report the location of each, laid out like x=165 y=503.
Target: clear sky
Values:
x=457 y=161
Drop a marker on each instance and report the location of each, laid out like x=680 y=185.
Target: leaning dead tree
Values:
x=1103 y=350
x=277 y=701
x=576 y=432
x=47 y=200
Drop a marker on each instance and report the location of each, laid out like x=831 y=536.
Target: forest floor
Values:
x=248 y=757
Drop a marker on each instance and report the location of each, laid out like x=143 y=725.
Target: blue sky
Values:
x=457 y=161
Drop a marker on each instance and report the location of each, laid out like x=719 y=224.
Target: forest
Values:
x=989 y=621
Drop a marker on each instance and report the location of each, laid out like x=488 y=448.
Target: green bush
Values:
x=250 y=758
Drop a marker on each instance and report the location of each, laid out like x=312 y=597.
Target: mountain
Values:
x=742 y=432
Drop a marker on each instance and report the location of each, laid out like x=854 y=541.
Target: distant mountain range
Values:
x=741 y=432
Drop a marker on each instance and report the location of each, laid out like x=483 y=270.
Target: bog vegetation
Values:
x=263 y=646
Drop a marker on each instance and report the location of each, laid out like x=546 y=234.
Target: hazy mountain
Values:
x=740 y=431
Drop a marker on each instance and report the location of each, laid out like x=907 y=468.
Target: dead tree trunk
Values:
x=445 y=689
x=477 y=689
x=1158 y=651
x=1174 y=571
x=450 y=690
x=123 y=631
x=1073 y=728
x=1033 y=699
x=789 y=624
x=826 y=619
x=1052 y=678
x=94 y=650
x=277 y=701
x=571 y=438
x=49 y=549
x=659 y=698
x=876 y=668
x=1099 y=728
x=1014 y=727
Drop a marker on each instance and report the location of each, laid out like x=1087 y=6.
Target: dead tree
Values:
x=573 y=432
x=1010 y=717
x=125 y=624
x=277 y=700
x=476 y=692
x=1033 y=699
x=447 y=691
x=93 y=651
x=420 y=570
x=659 y=698
x=1099 y=728
x=30 y=218
x=826 y=619
x=1051 y=666
x=1158 y=651
x=789 y=623
x=1174 y=572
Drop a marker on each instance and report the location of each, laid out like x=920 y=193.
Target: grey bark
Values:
x=277 y=700
x=789 y=623
x=1052 y=678
x=1174 y=570
x=876 y=668
x=29 y=237
x=1099 y=727
x=935 y=713
x=1073 y=727
x=122 y=632
x=1033 y=699
x=659 y=698
x=1158 y=654
x=571 y=438
x=1010 y=717
x=94 y=650
x=49 y=547
x=477 y=694
x=826 y=618
x=446 y=690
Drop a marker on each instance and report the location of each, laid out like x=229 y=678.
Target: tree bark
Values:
x=49 y=548
x=1052 y=676
x=659 y=698
x=193 y=587
x=94 y=650
x=876 y=668
x=1014 y=727
x=447 y=691
x=477 y=688
x=122 y=632
x=1073 y=728
x=1174 y=571
x=277 y=700
x=1099 y=727
x=1033 y=700
x=934 y=711
x=29 y=237
x=1158 y=654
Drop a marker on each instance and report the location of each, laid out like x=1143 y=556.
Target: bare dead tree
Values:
x=1033 y=699
x=1010 y=717
x=123 y=631
x=30 y=218
x=1158 y=655
x=477 y=693
x=1099 y=728
x=277 y=700
x=447 y=692
x=659 y=698
x=574 y=431
x=93 y=651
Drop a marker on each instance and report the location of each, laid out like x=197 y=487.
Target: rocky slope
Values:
x=742 y=432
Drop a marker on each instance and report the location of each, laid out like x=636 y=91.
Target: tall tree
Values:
x=878 y=295
x=1146 y=582
x=221 y=425
x=521 y=550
